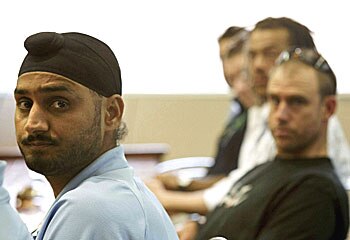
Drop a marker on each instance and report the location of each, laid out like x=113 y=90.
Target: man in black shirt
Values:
x=298 y=195
x=233 y=58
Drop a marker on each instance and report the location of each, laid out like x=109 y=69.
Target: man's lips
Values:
x=38 y=143
x=260 y=78
x=281 y=132
x=38 y=140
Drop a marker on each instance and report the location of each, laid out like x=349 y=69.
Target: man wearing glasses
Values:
x=298 y=195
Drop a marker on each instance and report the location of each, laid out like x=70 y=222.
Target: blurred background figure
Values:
x=298 y=195
x=12 y=228
x=233 y=58
x=266 y=41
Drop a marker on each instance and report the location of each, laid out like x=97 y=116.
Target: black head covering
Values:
x=79 y=57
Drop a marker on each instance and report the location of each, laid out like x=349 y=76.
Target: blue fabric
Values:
x=11 y=226
x=106 y=201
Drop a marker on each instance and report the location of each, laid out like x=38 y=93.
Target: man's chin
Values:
x=38 y=164
x=260 y=92
x=286 y=147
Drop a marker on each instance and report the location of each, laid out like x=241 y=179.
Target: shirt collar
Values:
x=111 y=160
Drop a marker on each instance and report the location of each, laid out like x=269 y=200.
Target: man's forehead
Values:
x=45 y=78
x=293 y=78
x=45 y=81
x=261 y=39
x=224 y=46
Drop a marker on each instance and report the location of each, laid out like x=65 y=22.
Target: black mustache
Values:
x=39 y=137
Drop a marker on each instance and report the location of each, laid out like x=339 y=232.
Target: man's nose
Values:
x=37 y=120
x=282 y=112
x=259 y=62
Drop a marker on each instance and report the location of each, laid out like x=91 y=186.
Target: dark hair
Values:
x=327 y=83
x=238 y=35
x=299 y=35
x=230 y=32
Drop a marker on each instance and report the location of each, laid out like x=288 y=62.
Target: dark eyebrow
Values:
x=20 y=91
x=264 y=49
x=297 y=97
x=47 y=89
x=270 y=95
x=269 y=48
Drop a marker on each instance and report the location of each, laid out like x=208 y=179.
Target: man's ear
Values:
x=330 y=105
x=113 y=111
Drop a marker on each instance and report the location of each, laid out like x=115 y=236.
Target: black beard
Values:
x=68 y=158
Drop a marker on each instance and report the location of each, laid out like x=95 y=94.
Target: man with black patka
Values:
x=68 y=120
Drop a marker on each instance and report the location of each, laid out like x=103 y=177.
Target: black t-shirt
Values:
x=283 y=199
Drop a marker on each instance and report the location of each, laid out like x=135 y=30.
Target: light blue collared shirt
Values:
x=106 y=201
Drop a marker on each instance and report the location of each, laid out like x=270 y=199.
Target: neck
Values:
x=260 y=100
x=316 y=150
x=301 y=156
x=59 y=182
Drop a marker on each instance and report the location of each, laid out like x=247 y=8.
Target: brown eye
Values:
x=60 y=104
x=297 y=101
x=273 y=100
x=24 y=104
x=271 y=54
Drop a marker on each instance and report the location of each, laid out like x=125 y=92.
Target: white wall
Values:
x=167 y=46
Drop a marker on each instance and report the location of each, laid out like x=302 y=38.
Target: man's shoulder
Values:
x=113 y=193
x=111 y=204
x=96 y=213
x=102 y=196
x=324 y=181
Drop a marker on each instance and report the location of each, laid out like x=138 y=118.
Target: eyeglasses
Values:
x=312 y=58
x=308 y=56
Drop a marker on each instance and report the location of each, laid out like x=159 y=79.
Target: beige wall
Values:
x=343 y=113
x=190 y=124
